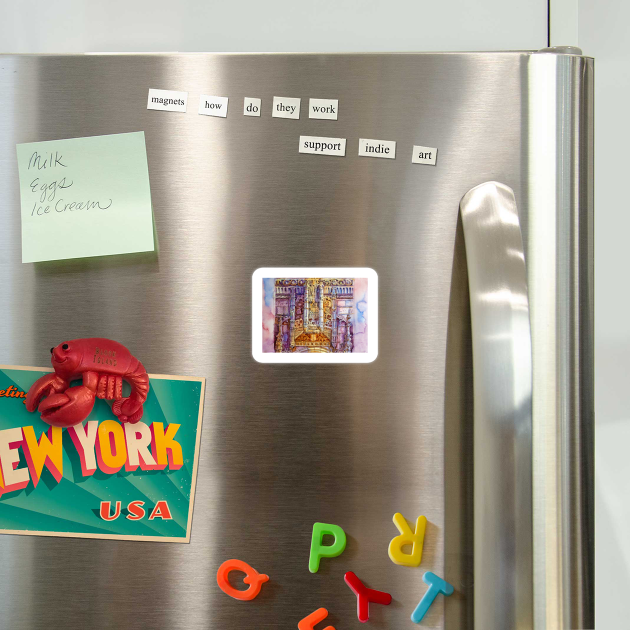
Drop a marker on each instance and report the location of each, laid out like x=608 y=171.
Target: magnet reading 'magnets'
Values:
x=103 y=364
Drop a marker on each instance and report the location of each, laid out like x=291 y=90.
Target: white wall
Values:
x=604 y=29
x=270 y=25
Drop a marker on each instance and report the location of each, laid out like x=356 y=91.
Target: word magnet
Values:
x=424 y=155
x=365 y=595
x=323 y=108
x=213 y=106
x=167 y=100
x=322 y=146
x=285 y=107
x=407 y=537
x=251 y=106
x=377 y=148
x=319 y=550
x=252 y=577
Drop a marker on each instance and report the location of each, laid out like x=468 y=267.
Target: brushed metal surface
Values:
x=502 y=368
x=560 y=276
x=282 y=446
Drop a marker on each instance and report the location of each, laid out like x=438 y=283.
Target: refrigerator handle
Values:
x=502 y=374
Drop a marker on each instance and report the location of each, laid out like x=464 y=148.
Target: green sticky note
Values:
x=85 y=197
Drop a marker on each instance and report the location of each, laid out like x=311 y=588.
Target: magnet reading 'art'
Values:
x=102 y=364
x=407 y=537
x=252 y=577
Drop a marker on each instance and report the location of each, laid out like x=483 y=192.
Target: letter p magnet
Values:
x=319 y=551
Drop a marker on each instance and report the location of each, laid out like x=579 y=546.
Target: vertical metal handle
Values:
x=502 y=373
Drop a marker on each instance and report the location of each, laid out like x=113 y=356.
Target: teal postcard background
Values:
x=72 y=505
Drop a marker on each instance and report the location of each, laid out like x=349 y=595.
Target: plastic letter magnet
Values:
x=308 y=623
x=252 y=577
x=436 y=586
x=319 y=551
x=365 y=596
x=407 y=537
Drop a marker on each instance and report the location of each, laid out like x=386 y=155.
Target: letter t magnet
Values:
x=407 y=537
x=436 y=586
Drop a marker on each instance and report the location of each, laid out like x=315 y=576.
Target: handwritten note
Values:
x=85 y=197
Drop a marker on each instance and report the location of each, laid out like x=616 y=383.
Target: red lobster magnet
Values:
x=103 y=364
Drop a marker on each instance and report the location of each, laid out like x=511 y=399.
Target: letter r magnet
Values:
x=407 y=537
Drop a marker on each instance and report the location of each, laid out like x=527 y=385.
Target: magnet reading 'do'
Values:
x=102 y=364
x=314 y=315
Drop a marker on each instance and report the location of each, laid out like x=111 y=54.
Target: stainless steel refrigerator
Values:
x=477 y=411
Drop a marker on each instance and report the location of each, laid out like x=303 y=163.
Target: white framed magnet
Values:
x=314 y=315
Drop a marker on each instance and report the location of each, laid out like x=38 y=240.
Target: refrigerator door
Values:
x=285 y=446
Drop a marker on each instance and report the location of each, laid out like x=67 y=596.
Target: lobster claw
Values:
x=68 y=408
x=127 y=410
x=43 y=386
